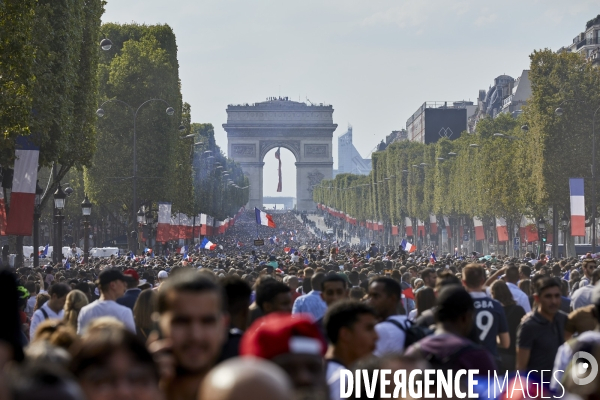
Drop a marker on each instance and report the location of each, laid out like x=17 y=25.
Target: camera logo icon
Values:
x=587 y=368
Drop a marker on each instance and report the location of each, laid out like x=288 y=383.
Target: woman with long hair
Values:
x=514 y=313
x=40 y=299
x=424 y=300
x=143 y=309
x=76 y=300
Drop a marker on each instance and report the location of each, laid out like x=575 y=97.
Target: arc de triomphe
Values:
x=305 y=130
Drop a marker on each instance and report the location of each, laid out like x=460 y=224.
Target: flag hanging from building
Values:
x=448 y=227
x=433 y=224
x=278 y=156
x=22 y=198
x=262 y=218
x=577 y=207
x=164 y=222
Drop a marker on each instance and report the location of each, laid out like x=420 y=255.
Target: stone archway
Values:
x=305 y=130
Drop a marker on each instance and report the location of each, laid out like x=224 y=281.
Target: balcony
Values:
x=587 y=42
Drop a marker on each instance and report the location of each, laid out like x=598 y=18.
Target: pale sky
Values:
x=375 y=61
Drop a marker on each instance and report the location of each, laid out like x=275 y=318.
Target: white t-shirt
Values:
x=333 y=379
x=105 y=308
x=39 y=317
x=391 y=337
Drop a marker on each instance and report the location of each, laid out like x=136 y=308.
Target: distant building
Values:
x=587 y=43
x=349 y=159
x=507 y=95
x=436 y=120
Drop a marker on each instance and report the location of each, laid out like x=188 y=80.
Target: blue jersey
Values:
x=489 y=320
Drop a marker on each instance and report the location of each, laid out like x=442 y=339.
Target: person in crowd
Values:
x=583 y=296
x=273 y=296
x=490 y=321
x=113 y=364
x=514 y=314
x=53 y=308
x=449 y=348
x=35 y=381
x=428 y=277
x=238 y=293
x=511 y=277
x=540 y=335
x=587 y=267
x=585 y=341
x=56 y=333
x=312 y=303
x=133 y=291
x=581 y=320
x=143 y=311
x=384 y=297
x=294 y=343
x=161 y=277
x=193 y=324
x=75 y=301
x=112 y=284
x=427 y=317
x=424 y=300
x=350 y=328
x=246 y=379
x=333 y=289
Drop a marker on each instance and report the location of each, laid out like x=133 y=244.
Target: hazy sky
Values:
x=375 y=61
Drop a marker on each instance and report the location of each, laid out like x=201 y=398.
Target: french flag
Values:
x=262 y=218
x=407 y=247
x=420 y=228
x=409 y=228
x=432 y=258
x=577 y=207
x=22 y=199
x=433 y=224
x=448 y=227
x=2 y=213
x=183 y=250
x=164 y=222
x=502 y=230
x=208 y=245
x=479 y=232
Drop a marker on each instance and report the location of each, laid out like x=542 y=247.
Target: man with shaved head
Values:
x=246 y=379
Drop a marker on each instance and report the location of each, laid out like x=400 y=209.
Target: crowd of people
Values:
x=282 y=321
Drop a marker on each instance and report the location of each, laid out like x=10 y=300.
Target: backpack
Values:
x=412 y=333
x=450 y=362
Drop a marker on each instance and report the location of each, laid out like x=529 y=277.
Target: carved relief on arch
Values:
x=291 y=145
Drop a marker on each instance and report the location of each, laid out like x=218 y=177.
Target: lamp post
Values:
x=564 y=224
x=100 y=113
x=86 y=210
x=541 y=234
x=59 y=204
x=36 y=225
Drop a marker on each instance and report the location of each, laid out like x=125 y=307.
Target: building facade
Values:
x=436 y=120
x=587 y=43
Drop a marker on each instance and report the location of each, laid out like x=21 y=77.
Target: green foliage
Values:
x=16 y=73
x=141 y=66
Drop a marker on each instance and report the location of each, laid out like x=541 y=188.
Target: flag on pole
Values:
x=409 y=228
x=479 y=232
x=432 y=258
x=408 y=247
x=433 y=224
x=502 y=230
x=577 y=207
x=2 y=213
x=448 y=227
x=262 y=218
x=278 y=156
x=207 y=244
x=22 y=198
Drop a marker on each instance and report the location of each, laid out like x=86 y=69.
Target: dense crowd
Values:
x=281 y=321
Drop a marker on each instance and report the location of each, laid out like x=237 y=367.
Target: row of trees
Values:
x=522 y=172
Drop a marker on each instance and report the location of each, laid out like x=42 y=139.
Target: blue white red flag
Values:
x=262 y=218
x=22 y=198
x=207 y=244
x=433 y=259
x=407 y=247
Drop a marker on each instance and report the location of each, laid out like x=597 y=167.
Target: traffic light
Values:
x=543 y=235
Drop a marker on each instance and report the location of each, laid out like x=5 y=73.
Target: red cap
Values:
x=133 y=273
x=282 y=333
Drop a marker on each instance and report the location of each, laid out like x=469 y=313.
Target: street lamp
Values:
x=59 y=204
x=36 y=225
x=106 y=44
x=541 y=234
x=86 y=210
x=100 y=113
x=564 y=224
